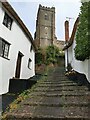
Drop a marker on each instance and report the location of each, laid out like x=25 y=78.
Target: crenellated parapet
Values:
x=47 y=8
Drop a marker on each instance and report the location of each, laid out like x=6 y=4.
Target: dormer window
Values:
x=7 y=21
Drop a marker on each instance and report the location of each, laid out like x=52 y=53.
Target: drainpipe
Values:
x=66 y=39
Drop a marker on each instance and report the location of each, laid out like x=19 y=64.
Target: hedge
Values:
x=82 y=50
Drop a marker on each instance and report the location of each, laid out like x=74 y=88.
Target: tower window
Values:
x=7 y=21
x=46 y=17
x=46 y=30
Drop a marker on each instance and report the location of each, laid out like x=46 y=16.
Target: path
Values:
x=56 y=98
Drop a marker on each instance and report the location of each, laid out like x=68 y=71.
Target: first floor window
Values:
x=29 y=63
x=7 y=21
x=4 y=48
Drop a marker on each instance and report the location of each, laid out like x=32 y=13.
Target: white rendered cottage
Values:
x=70 y=43
x=17 y=50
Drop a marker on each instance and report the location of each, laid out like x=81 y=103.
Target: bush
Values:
x=49 y=55
x=82 y=50
x=52 y=53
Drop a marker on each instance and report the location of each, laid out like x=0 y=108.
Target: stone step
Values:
x=66 y=88
x=54 y=82
x=58 y=93
x=57 y=79
x=52 y=78
x=58 y=101
x=58 y=85
x=49 y=113
x=61 y=112
x=58 y=90
x=61 y=103
x=58 y=104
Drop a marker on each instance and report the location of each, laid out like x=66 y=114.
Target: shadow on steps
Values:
x=80 y=79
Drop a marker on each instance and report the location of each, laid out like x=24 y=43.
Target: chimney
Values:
x=66 y=30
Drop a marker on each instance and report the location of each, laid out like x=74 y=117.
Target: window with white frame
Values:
x=7 y=21
x=4 y=48
x=29 y=63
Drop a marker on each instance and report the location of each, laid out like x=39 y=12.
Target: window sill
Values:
x=5 y=58
x=29 y=68
x=7 y=27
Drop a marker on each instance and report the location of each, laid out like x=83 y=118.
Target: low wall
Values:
x=19 y=85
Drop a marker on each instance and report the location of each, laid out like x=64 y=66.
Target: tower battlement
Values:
x=47 y=8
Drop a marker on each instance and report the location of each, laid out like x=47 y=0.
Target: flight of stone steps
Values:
x=56 y=98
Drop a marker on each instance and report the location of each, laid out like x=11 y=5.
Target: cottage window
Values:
x=7 y=21
x=4 y=48
x=29 y=63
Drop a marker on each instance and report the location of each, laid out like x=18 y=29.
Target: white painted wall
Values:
x=79 y=66
x=68 y=52
x=66 y=60
x=19 y=42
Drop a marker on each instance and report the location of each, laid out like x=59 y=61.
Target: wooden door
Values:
x=18 y=65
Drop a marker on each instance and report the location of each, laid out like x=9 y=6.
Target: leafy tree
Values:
x=49 y=55
x=52 y=53
x=82 y=50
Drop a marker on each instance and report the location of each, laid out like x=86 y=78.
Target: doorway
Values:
x=18 y=65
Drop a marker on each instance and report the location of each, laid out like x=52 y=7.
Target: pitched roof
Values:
x=9 y=8
x=70 y=42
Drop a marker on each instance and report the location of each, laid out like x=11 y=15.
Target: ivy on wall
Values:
x=39 y=57
x=82 y=50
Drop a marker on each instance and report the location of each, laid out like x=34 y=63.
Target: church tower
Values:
x=45 y=26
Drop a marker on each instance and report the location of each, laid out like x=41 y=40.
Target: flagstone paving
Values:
x=56 y=98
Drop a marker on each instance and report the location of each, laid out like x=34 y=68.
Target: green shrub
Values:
x=49 y=55
x=52 y=53
x=82 y=50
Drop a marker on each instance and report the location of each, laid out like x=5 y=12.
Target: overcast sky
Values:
x=27 y=10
